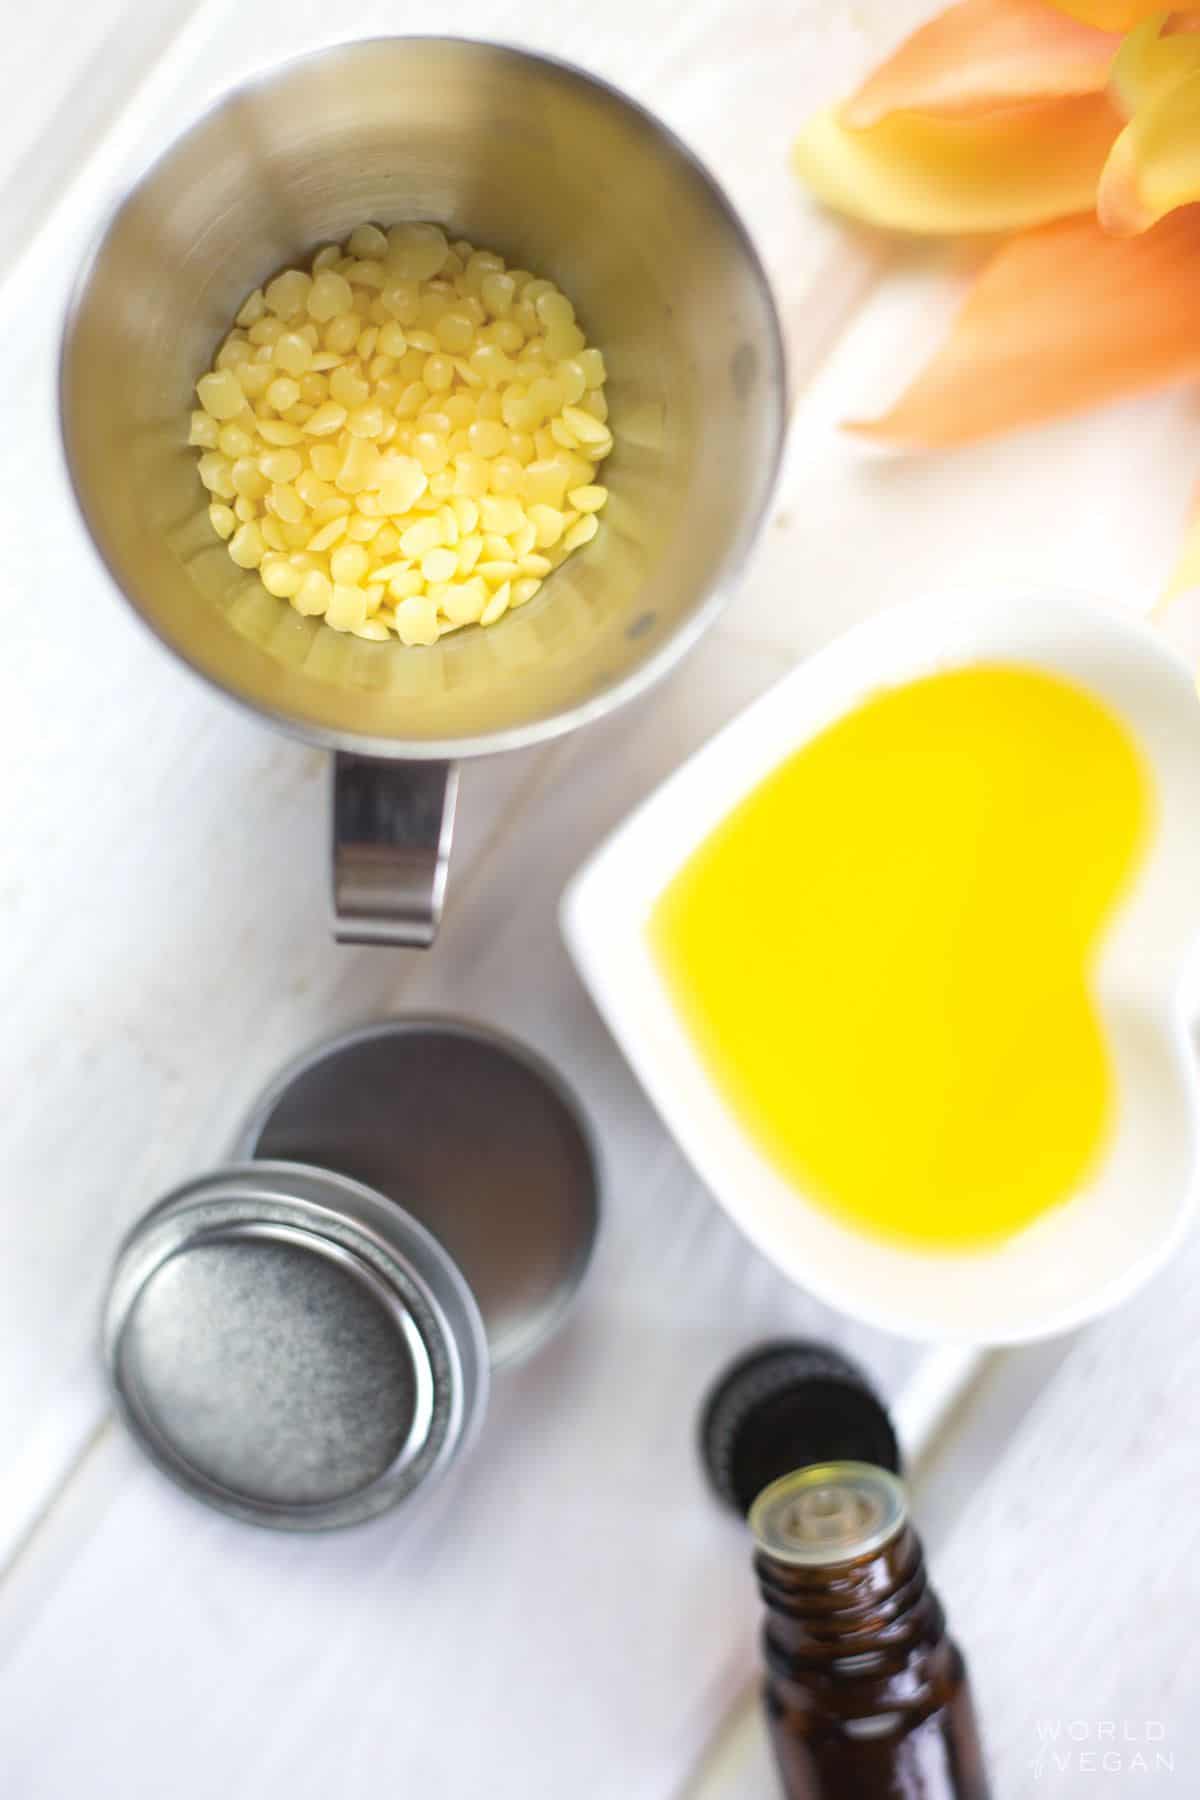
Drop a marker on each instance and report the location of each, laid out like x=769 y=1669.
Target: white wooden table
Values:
x=164 y=948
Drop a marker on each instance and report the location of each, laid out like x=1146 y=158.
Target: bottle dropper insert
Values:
x=828 y=1513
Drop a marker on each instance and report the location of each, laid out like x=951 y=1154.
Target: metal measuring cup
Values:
x=553 y=167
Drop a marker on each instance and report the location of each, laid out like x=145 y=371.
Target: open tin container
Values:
x=304 y=1338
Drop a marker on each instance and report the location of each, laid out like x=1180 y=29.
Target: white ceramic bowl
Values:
x=1108 y=1238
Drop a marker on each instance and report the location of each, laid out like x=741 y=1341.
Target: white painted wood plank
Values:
x=66 y=69
x=1073 y=1577
x=178 y=1642
x=577 y=1576
x=164 y=936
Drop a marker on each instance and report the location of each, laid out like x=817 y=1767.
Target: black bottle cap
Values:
x=786 y=1405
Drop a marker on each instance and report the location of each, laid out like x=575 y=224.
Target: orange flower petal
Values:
x=1152 y=60
x=993 y=171
x=1110 y=15
x=986 y=53
x=1060 y=318
x=1155 y=163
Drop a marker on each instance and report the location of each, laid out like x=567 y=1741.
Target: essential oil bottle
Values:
x=867 y=1697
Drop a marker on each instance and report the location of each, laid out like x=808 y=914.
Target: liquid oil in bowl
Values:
x=886 y=953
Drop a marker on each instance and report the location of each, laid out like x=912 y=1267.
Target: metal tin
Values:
x=470 y=1133
x=304 y=1339
x=293 y=1347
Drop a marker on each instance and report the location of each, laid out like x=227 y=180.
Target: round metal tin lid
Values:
x=290 y=1347
x=468 y=1132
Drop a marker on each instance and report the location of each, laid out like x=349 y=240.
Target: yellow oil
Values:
x=885 y=953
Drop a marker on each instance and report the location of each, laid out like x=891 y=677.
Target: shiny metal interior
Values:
x=562 y=175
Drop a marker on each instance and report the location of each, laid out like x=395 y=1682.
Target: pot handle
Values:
x=392 y=827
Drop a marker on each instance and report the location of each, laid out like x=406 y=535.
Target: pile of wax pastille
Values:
x=404 y=440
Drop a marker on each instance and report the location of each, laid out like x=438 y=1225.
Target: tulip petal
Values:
x=1154 y=166
x=982 y=54
x=1151 y=61
x=1060 y=318
x=994 y=171
x=1109 y=15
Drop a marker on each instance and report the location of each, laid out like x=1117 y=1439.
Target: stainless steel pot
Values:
x=566 y=176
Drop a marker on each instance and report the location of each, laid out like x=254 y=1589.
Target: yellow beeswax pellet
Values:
x=439 y=564
x=204 y=431
x=588 y=499
x=416 y=620
x=246 y=546
x=278 y=432
x=314 y=593
x=360 y=466
x=328 y=418
x=392 y=341
x=464 y=601
x=470 y=550
x=432 y=451
x=293 y=354
x=347 y=607
x=324 y=460
x=252 y=308
x=549 y=524
x=248 y=479
x=501 y=514
x=488 y=438
x=425 y=535
x=220 y=394
x=466 y=512
x=366 y=421
x=545 y=481
x=329 y=534
x=329 y=294
x=216 y=472
x=349 y=563
x=367 y=241
x=497 y=292
x=282 y=393
x=416 y=252
x=281 y=579
x=581 y=532
x=280 y=465
x=390 y=435
x=497 y=606
x=592 y=364
x=234 y=440
x=287 y=294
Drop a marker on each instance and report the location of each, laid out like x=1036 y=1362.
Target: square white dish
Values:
x=1099 y=1245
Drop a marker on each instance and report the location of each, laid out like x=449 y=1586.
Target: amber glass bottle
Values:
x=867 y=1698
